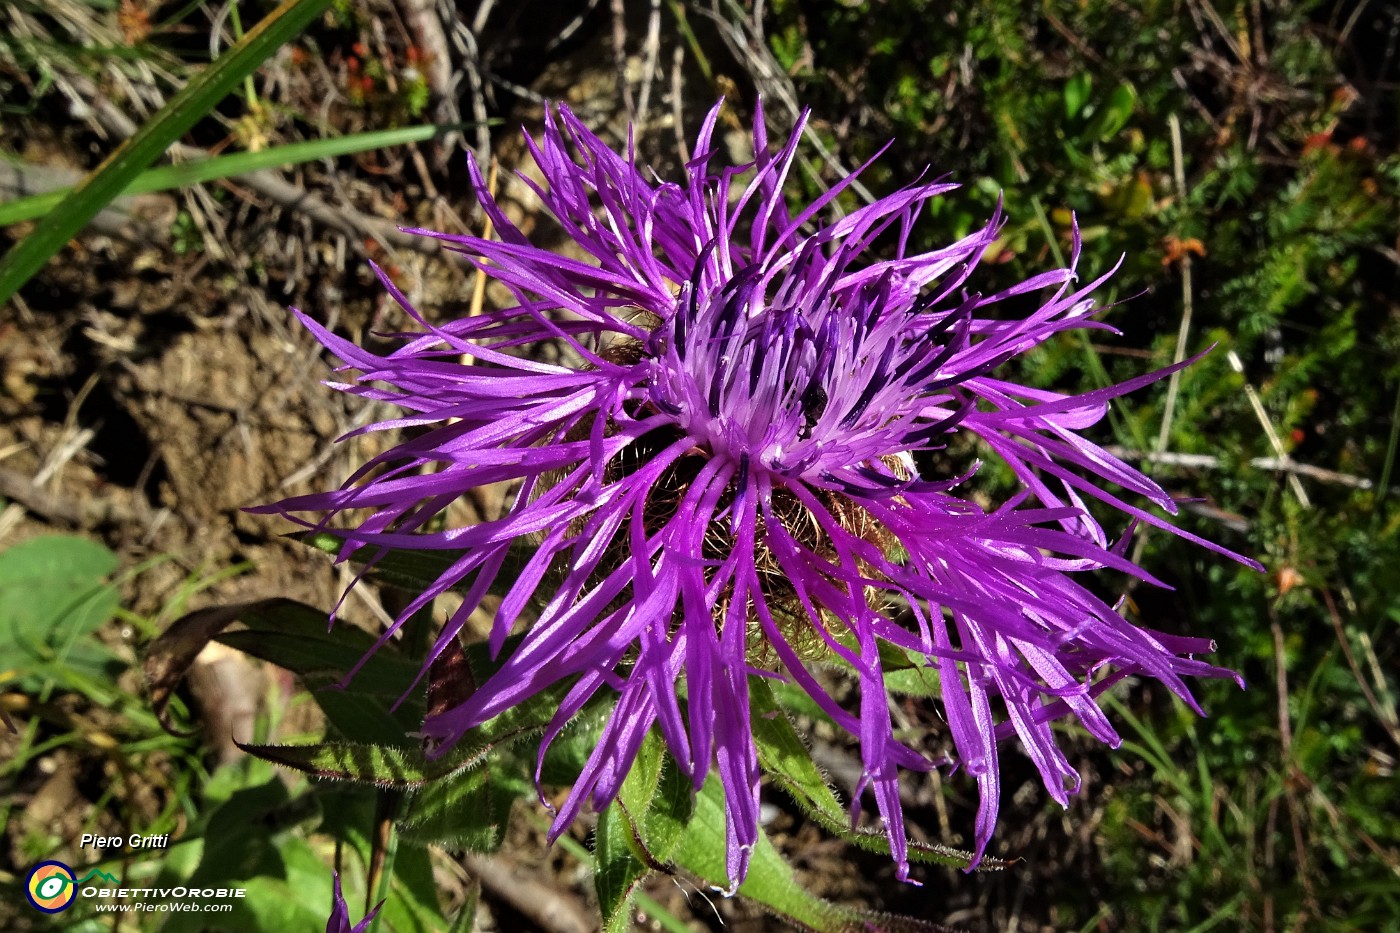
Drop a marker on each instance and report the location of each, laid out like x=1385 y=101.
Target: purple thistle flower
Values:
x=339 y=920
x=723 y=483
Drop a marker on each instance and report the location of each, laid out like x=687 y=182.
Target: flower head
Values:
x=730 y=476
x=339 y=920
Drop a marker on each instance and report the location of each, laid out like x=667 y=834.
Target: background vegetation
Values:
x=1240 y=158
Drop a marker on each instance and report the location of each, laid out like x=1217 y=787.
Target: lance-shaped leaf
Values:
x=294 y=636
x=409 y=767
x=166 y=177
x=468 y=810
x=381 y=765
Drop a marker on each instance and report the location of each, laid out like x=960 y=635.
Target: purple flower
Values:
x=339 y=920
x=730 y=476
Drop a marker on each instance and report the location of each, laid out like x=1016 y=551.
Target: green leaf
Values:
x=165 y=177
x=293 y=636
x=408 y=767
x=639 y=787
x=292 y=893
x=799 y=702
x=1076 y=93
x=239 y=834
x=568 y=753
x=770 y=880
x=362 y=717
x=401 y=766
x=784 y=756
x=620 y=860
x=469 y=810
x=52 y=597
x=186 y=108
x=465 y=921
x=919 y=681
x=782 y=753
x=350 y=818
x=639 y=832
x=54 y=557
x=1113 y=114
x=51 y=588
x=617 y=871
x=311 y=651
x=671 y=809
x=412 y=903
x=1131 y=198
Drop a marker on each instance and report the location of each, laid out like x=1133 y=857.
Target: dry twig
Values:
x=87 y=513
x=619 y=50
x=464 y=38
x=544 y=905
x=1275 y=464
x=651 y=48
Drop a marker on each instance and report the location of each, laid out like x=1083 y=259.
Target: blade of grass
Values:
x=248 y=90
x=1225 y=913
x=1383 y=485
x=191 y=104
x=165 y=177
x=1184 y=328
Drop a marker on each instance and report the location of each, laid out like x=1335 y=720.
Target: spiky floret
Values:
x=722 y=482
x=339 y=920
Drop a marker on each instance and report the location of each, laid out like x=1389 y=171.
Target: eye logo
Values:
x=51 y=887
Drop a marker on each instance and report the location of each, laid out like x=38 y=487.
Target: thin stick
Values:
x=619 y=50
x=1275 y=464
x=1263 y=417
x=1389 y=459
x=1184 y=331
x=772 y=81
x=483 y=13
x=272 y=186
x=677 y=104
x=487 y=229
x=568 y=31
x=544 y=905
x=1352 y=20
x=464 y=38
x=693 y=43
x=650 y=51
x=1388 y=723
x=1285 y=729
